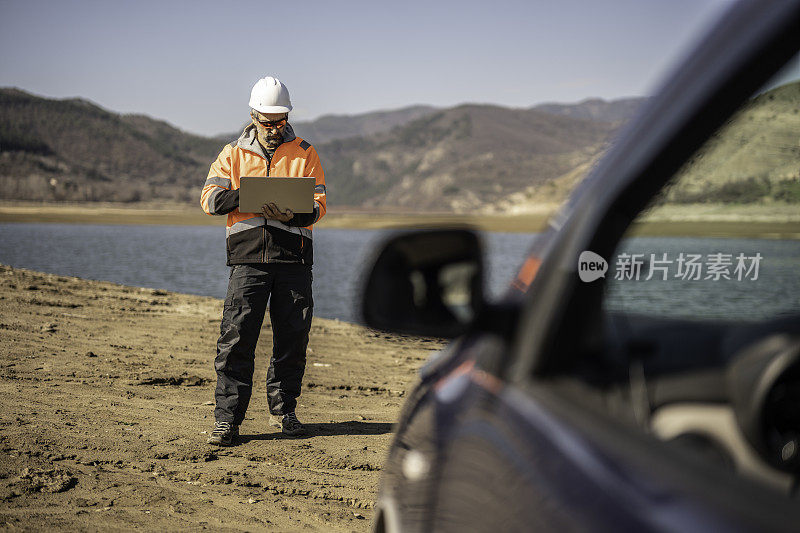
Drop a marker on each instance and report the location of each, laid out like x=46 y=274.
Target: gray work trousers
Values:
x=288 y=288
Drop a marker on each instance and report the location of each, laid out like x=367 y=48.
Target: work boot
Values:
x=289 y=424
x=224 y=434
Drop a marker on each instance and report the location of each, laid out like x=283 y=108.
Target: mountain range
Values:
x=72 y=149
x=460 y=159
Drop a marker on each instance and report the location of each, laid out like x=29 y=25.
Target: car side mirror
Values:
x=427 y=283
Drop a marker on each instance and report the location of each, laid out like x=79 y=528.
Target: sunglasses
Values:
x=272 y=124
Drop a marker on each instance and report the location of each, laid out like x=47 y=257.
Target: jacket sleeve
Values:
x=313 y=167
x=217 y=198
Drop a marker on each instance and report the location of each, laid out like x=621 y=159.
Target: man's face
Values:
x=270 y=128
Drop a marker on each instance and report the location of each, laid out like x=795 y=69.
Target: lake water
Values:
x=191 y=259
x=714 y=290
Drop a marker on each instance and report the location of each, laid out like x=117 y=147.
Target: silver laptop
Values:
x=292 y=193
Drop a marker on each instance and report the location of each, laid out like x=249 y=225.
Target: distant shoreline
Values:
x=777 y=221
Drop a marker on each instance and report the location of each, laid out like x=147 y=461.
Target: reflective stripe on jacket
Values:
x=250 y=237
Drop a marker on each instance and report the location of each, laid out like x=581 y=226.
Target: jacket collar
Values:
x=248 y=140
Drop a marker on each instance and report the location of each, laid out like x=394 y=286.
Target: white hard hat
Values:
x=269 y=95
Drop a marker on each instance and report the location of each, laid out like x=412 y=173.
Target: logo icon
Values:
x=591 y=266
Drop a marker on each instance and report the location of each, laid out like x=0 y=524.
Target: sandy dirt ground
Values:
x=106 y=402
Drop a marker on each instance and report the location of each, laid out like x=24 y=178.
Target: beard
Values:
x=270 y=139
x=273 y=141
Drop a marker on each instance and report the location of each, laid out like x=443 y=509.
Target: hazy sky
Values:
x=193 y=63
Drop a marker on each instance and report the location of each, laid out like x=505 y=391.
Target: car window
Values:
x=722 y=239
x=702 y=297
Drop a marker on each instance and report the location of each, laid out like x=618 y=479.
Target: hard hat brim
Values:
x=272 y=108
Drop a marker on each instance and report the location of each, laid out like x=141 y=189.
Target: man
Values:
x=270 y=254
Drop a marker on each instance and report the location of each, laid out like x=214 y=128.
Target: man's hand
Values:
x=271 y=211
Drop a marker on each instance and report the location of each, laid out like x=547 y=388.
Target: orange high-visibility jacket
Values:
x=251 y=238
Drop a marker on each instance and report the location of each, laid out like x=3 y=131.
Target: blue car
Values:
x=630 y=379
